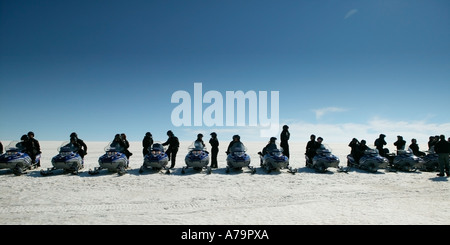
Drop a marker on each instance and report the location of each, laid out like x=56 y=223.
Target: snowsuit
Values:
x=311 y=149
x=172 y=151
x=214 y=151
x=379 y=144
x=32 y=148
x=284 y=137
x=147 y=142
x=442 y=148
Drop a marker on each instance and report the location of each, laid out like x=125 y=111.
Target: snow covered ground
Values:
x=237 y=198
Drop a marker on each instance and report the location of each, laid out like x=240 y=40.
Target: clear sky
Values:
x=343 y=68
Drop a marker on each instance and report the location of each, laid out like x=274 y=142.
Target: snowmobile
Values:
x=371 y=161
x=17 y=160
x=197 y=158
x=68 y=160
x=323 y=160
x=431 y=161
x=274 y=160
x=156 y=159
x=407 y=161
x=114 y=160
x=238 y=158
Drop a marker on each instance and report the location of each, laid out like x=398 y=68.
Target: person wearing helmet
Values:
x=200 y=140
x=400 y=143
x=214 y=142
x=126 y=143
x=311 y=148
x=79 y=144
x=147 y=142
x=174 y=144
x=236 y=138
x=270 y=146
x=379 y=144
x=284 y=137
x=32 y=147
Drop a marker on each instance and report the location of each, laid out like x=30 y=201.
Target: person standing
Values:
x=284 y=138
x=147 y=142
x=214 y=142
x=174 y=144
x=442 y=148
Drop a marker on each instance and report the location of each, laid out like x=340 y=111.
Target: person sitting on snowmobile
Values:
x=270 y=146
x=236 y=138
x=32 y=147
x=118 y=144
x=379 y=144
x=311 y=148
x=200 y=140
x=22 y=144
x=127 y=153
x=415 y=148
x=147 y=142
x=400 y=143
x=78 y=144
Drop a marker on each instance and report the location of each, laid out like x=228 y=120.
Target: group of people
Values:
x=438 y=144
x=28 y=144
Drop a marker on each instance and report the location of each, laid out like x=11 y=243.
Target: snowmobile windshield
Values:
x=15 y=146
x=114 y=147
x=371 y=152
x=157 y=147
x=197 y=145
x=67 y=147
x=238 y=147
x=324 y=149
x=275 y=149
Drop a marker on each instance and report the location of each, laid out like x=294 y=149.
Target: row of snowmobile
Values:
x=114 y=160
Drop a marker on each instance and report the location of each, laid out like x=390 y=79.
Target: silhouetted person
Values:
x=200 y=139
x=442 y=148
x=174 y=144
x=400 y=143
x=379 y=144
x=415 y=148
x=236 y=138
x=78 y=144
x=1 y=148
x=270 y=146
x=214 y=142
x=32 y=147
x=147 y=142
x=126 y=144
x=311 y=148
x=284 y=138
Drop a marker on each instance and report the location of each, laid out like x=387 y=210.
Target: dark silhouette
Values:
x=214 y=142
x=284 y=138
x=172 y=151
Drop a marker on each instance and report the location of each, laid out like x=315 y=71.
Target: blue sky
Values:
x=343 y=68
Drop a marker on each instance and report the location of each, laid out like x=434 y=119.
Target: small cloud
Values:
x=350 y=13
x=323 y=111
